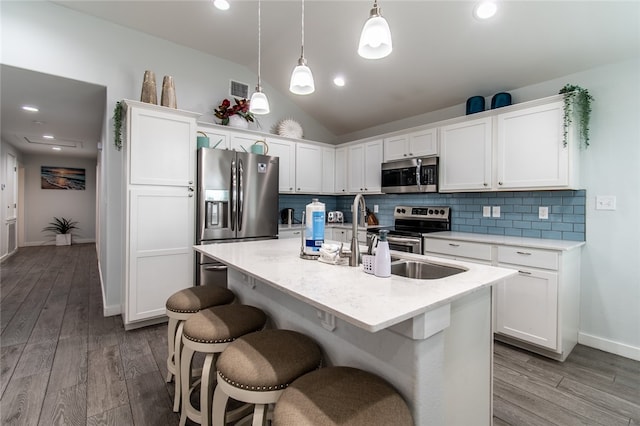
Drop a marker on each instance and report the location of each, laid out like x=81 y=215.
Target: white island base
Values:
x=440 y=361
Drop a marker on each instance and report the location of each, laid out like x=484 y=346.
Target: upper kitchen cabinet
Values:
x=415 y=144
x=364 y=161
x=530 y=151
x=286 y=151
x=341 y=166
x=160 y=160
x=308 y=166
x=328 y=170
x=242 y=141
x=217 y=138
x=465 y=156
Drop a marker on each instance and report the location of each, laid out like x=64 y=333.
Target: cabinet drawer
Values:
x=528 y=257
x=458 y=248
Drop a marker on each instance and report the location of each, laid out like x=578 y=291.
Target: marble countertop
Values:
x=540 y=243
x=284 y=227
x=349 y=293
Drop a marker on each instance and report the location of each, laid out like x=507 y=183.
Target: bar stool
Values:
x=342 y=396
x=180 y=306
x=210 y=331
x=256 y=368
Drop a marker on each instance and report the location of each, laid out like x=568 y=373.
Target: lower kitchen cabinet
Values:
x=538 y=309
x=290 y=232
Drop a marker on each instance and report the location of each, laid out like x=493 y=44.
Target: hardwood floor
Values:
x=63 y=363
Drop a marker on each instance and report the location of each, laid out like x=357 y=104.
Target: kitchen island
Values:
x=431 y=339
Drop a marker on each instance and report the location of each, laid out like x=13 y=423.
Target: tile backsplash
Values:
x=518 y=211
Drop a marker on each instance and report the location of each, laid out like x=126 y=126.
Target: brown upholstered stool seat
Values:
x=342 y=396
x=256 y=368
x=180 y=306
x=211 y=331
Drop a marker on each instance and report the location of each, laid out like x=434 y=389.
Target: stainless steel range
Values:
x=411 y=223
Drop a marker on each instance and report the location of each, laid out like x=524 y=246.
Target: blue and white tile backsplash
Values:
x=518 y=211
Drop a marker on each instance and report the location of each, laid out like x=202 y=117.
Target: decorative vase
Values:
x=149 y=92
x=168 y=98
x=238 y=122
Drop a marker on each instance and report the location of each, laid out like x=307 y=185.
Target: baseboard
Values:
x=107 y=310
x=53 y=242
x=610 y=346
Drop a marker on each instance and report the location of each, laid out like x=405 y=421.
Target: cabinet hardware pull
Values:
x=454 y=245
x=524 y=273
x=524 y=253
x=499 y=183
x=485 y=184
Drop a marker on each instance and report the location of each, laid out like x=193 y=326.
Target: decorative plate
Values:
x=290 y=128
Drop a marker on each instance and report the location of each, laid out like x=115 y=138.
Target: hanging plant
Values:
x=117 y=125
x=576 y=101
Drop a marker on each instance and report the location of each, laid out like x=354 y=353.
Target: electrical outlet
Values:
x=375 y=208
x=543 y=212
x=496 y=211
x=605 y=202
x=486 y=211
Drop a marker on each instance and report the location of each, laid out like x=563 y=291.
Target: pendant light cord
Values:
x=302 y=42
x=259 y=46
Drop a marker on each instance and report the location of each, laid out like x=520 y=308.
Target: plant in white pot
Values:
x=62 y=228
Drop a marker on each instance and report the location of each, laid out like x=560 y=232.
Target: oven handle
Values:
x=404 y=240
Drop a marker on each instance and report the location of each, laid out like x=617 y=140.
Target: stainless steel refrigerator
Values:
x=237 y=201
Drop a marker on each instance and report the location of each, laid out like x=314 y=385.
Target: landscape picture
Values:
x=62 y=178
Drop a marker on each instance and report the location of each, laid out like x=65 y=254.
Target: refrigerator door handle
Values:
x=240 y=193
x=234 y=189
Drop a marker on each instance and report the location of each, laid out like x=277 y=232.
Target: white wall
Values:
x=42 y=205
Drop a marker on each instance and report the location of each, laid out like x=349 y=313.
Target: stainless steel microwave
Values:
x=410 y=175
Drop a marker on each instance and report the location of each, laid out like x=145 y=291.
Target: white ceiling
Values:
x=442 y=55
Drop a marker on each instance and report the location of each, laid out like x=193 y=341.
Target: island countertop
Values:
x=349 y=293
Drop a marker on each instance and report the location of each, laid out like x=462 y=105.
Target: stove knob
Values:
x=442 y=212
x=430 y=211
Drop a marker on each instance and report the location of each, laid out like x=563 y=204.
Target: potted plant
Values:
x=576 y=101
x=62 y=228
x=237 y=115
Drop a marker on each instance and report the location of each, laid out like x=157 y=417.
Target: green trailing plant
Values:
x=117 y=125
x=61 y=226
x=576 y=101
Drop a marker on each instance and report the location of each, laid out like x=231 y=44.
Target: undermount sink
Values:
x=422 y=270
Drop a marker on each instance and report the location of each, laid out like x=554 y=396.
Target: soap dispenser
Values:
x=382 y=263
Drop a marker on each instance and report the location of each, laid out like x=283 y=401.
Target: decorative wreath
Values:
x=290 y=128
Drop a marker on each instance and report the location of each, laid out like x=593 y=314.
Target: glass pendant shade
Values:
x=375 y=40
x=302 y=79
x=259 y=103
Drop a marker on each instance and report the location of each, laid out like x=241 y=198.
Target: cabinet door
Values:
x=217 y=137
x=242 y=142
x=290 y=233
x=530 y=151
x=308 y=168
x=328 y=170
x=161 y=148
x=527 y=307
x=396 y=147
x=341 y=171
x=286 y=151
x=465 y=156
x=356 y=168
x=372 y=170
x=160 y=255
x=423 y=143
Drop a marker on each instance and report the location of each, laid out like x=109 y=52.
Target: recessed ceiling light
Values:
x=221 y=4
x=48 y=136
x=485 y=9
x=56 y=148
x=339 y=81
x=38 y=122
x=30 y=108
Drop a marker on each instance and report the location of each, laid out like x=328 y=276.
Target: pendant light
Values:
x=259 y=103
x=301 y=77
x=375 y=40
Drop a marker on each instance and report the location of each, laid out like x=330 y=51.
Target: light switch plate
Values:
x=543 y=212
x=486 y=211
x=375 y=208
x=605 y=202
x=496 y=211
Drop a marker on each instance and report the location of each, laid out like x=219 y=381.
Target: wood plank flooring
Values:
x=63 y=363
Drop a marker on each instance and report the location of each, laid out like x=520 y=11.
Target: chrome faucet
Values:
x=354 y=260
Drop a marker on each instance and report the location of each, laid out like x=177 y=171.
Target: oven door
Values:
x=405 y=244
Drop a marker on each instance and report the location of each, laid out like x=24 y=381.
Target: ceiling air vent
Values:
x=239 y=90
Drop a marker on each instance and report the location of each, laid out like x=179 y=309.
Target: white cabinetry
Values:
x=242 y=141
x=364 y=167
x=217 y=137
x=530 y=151
x=328 y=170
x=415 y=144
x=290 y=232
x=286 y=151
x=341 y=171
x=308 y=168
x=160 y=208
x=458 y=250
x=465 y=156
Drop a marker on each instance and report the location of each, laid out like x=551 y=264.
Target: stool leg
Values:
x=219 y=406
x=206 y=389
x=185 y=379
x=259 y=414
x=177 y=350
x=171 y=338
